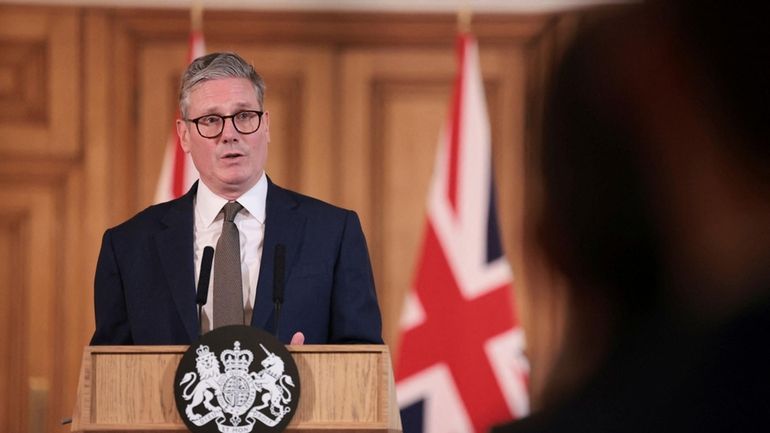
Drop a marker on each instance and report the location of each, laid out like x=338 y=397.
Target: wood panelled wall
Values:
x=356 y=101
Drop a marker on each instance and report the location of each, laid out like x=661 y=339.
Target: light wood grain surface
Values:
x=130 y=388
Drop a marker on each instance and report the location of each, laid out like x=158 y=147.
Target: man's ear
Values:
x=183 y=131
x=266 y=125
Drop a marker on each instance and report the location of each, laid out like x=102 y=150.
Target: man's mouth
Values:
x=232 y=155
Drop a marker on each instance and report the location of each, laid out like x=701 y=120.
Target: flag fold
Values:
x=461 y=364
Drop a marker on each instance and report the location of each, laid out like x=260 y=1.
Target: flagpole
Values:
x=449 y=377
x=196 y=15
x=464 y=17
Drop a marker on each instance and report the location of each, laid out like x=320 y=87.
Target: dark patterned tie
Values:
x=228 y=289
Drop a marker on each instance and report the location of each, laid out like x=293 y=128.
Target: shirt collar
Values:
x=209 y=205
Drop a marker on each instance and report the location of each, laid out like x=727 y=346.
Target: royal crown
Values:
x=237 y=359
x=204 y=353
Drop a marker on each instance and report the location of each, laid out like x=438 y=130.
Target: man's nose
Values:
x=229 y=133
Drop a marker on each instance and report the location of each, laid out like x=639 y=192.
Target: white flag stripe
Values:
x=412 y=314
x=163 y=188
x=444 y=411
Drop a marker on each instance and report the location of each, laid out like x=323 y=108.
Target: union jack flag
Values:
x=177 y=172
x=461 y=364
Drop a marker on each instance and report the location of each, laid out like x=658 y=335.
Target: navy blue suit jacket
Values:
x=144 y=289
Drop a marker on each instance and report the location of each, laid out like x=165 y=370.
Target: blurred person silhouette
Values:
x=656 y=209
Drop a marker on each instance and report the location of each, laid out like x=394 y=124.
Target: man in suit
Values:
x=145 y=284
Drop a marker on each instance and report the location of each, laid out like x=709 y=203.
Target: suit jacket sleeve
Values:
x=112 y=324
x=355 y=312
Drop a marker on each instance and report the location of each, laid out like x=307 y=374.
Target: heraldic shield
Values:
x=237 y=379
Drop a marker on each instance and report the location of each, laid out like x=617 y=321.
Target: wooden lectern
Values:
x=347 y=388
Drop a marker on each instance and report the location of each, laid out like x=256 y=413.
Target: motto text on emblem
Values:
x=244 y=395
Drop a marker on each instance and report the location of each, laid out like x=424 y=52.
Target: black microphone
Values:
x=279 y=271
x=203 y=280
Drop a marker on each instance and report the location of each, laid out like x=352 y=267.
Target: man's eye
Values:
x=245 y=115
x=210 y=120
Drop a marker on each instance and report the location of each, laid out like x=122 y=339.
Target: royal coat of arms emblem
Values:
x=243 y=398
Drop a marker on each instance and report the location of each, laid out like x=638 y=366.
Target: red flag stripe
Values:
x=455 y=124
x=180 y=163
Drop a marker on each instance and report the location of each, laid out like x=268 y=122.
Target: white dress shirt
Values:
x=251 y=227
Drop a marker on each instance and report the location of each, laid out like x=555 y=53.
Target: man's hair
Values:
x=216 y=66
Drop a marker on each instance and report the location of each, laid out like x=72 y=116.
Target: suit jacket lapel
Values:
x=283 y=225
x=175 y=248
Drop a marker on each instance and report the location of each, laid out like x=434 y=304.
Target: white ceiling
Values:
x=478 y=6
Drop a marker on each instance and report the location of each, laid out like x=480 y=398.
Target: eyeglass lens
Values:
x=245 y=122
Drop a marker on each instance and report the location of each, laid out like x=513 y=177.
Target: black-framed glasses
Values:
x=211 y=125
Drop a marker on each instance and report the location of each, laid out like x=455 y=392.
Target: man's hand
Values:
x=298 y=338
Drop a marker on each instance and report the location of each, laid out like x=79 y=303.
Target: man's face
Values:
x=232 y=162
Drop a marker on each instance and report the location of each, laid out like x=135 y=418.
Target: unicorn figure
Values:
x=272 y=381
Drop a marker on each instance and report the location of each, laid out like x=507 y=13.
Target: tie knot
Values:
x=231 y=209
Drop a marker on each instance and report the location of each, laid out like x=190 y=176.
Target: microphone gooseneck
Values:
x=202 y=292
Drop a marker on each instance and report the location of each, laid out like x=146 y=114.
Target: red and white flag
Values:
x=177 y=174
x=461 y=364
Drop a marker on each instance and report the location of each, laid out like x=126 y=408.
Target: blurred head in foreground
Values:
x=656 y=175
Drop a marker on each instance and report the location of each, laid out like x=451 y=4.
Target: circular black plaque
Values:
x=237 y=379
